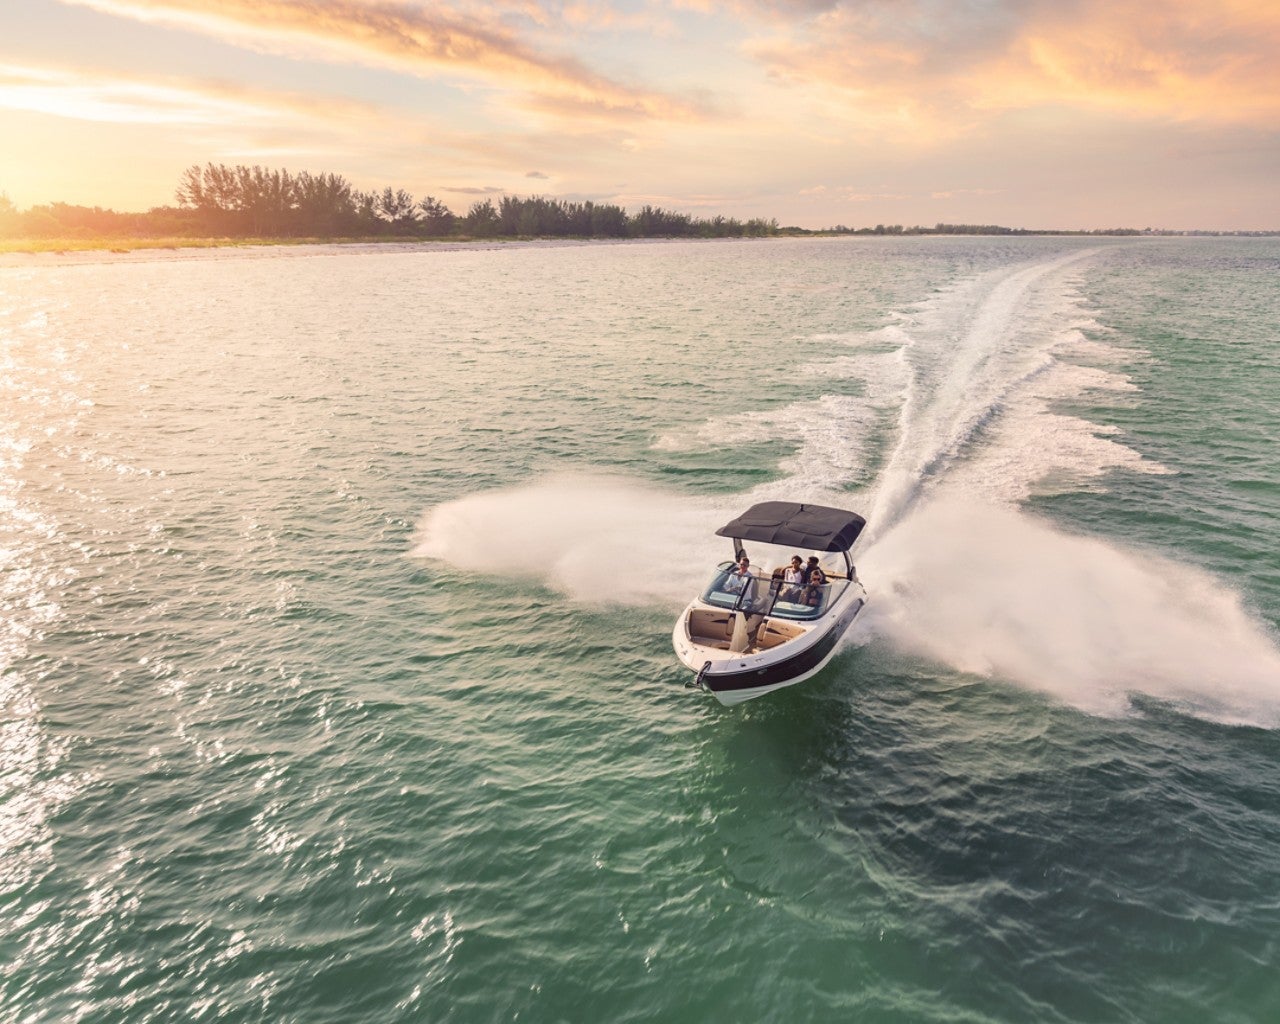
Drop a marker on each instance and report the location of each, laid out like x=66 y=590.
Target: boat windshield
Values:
x=770 y=595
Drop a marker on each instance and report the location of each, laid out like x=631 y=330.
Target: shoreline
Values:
x=143 y=250
x=29 y=252
x=131 y=243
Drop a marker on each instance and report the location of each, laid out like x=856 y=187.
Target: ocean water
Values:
x=336 y=588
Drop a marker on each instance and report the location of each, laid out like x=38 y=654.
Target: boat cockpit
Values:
x=770 y=595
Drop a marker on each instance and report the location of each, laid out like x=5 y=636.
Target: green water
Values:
x=335 y=673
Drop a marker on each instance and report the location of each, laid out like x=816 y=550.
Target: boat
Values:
x=748 y=635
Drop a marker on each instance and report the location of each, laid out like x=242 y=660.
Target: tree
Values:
x=482 y=219
x=366 y=213
x=758 y=227
x=437 y=219
x=8 y=215
x=324 y=205
x=607 y=221
x=190 y=191
x=265 y=199
x=655 y=222
x=514 y=216
x=398 y=208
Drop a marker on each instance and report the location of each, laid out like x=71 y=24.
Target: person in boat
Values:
x=810 y=568
x=793 y=577
x=740 y=574
x=812 y=594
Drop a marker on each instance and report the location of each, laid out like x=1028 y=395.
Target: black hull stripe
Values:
x=784 y=670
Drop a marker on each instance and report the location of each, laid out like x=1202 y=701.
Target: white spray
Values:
x=994 y=592
x=598 y=539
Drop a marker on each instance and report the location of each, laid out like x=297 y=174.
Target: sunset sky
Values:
x=1028 y=113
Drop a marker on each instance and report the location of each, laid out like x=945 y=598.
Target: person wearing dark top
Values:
x=812 y=594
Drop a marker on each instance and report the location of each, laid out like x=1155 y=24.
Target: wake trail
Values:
x=966 y=354
x=964 y=576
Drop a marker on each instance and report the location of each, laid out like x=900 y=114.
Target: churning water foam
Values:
x=994 y=592
x=956 y=571
x=597 y=539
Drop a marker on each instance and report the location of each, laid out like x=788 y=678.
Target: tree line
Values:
x=217 y=201
x=985 y=229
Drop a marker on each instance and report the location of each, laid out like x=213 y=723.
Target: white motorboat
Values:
x=749 y=633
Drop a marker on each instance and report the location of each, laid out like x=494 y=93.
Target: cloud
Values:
x=112 y=96
x=850 y=194
x=584 y=107
x=956 y=192
x=596 y=15
x=194 y=120
x=695 y=200
x=1182 y=60
x=422 y=39
x=539 y=175
x=920 y=64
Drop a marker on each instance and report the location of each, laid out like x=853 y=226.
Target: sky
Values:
x=1054 y=114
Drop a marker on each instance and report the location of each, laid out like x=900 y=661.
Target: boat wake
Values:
x=1001 y=594
x=962 y=575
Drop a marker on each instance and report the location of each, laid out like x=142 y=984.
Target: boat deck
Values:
x=714 y=630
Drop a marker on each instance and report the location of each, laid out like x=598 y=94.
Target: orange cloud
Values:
x=422 y=39
x=940 y=69
x=1182 y=60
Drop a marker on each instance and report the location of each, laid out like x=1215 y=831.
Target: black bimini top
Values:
x=811 y=527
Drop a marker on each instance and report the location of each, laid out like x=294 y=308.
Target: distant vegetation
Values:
x=216 y=201
x=252 y=203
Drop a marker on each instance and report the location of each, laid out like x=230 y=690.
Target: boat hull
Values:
x=734 y=678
